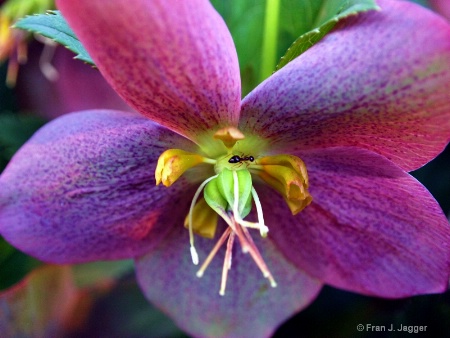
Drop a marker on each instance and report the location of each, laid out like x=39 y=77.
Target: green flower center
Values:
x=230 y=193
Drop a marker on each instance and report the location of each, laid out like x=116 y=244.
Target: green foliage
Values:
x=14 y=9
x=53 y=26
x=245 y=21
x=16 y=130
x=298 y=21
x=91 y=273
x=322 y=15
x=14 y=265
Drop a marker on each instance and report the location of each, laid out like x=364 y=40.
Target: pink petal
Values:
x=371 y=228
x=376 y=82
x=83 y=188
x=250 y=305
x=173 y=61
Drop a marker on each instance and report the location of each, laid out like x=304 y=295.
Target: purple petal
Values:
x=376 y=82
x=83 y=188
x=371 y=228
x=173 y=61
x=250 y=305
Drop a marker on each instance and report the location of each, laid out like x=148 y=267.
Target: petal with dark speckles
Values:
x=372 y=228
x=376 y=82
x=83 y=188
x=173 y=61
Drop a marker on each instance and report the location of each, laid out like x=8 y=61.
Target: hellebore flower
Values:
x=329 y=138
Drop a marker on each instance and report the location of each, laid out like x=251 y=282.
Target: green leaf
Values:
x=323 y=17
x=89 y=274
x=16 y=130
x=15 y=9
x=14 y=265
x=244 y=20
x=53 y=26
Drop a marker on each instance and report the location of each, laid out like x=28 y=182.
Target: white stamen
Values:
x=191 y=232
x=263 y=229
x=194 y=255
x=259 y=212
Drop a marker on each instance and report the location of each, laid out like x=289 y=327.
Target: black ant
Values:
x=238 y=159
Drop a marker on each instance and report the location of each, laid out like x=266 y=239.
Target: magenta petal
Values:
x=83 y=188
x=173 y=61
x=376 y=82
x=371 y=228
x=250 y=305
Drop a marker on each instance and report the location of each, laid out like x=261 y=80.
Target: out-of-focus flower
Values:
x=442 y=7
x=13 y=42
x=360 y=109
x=77 y=86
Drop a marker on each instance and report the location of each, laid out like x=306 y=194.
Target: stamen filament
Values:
x=230 y=223
x=256 y=255
x=227 y=263
x=209 y=160
x=213 y=252
x=254 y=252
x=194 y=254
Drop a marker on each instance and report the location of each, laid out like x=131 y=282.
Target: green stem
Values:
x=269 y=48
